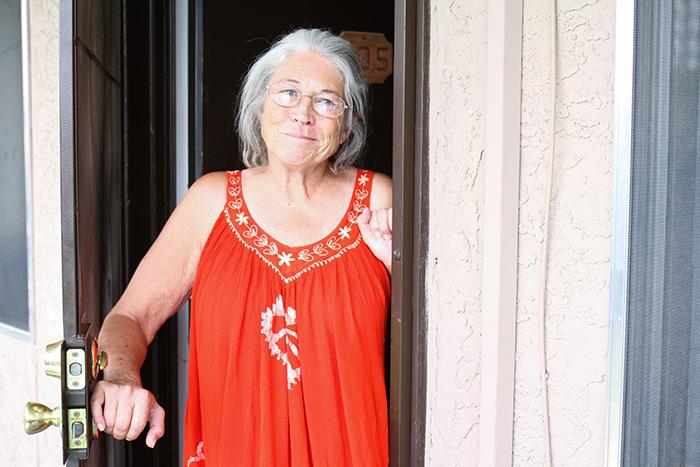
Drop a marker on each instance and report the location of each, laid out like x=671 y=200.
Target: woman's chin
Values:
x=300 y=160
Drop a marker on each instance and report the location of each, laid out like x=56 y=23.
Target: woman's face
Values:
x=298 y=135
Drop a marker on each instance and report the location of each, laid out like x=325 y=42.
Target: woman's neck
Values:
x=297 y=185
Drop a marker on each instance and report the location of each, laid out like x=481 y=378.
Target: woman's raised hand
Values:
x=122 y=408
x=375 y=227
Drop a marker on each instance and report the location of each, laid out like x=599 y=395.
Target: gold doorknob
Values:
x=101 y=362
x=52 y=359
x=38 y=417
x=99 y=359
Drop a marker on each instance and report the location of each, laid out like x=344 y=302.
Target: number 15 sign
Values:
x=375 y=53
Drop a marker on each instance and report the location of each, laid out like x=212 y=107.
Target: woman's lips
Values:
x=299 y=136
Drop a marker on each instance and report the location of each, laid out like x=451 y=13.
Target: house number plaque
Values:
x=375 y=53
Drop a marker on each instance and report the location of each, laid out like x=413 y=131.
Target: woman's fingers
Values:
x=383 y=221
x=156 y=419
x=376 y=222
x=375 y=227
x=98 y=398
x=109 y=410
x=142 y=407
x=364 y=217
x=123 y=410
x=122 y=420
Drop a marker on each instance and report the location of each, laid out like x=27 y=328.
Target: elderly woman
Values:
x=287 y=264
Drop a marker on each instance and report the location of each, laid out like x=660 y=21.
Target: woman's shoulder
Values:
x=213 y=178
x=382 y=192
x=205 y=200
x=211 y=185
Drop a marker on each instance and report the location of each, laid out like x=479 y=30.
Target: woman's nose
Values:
x=303 y=111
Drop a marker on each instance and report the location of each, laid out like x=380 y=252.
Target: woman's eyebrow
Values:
x=294 y=81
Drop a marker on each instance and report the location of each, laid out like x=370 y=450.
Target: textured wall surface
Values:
x=22 y=369
x=579 y=259
x=580 y=232
x=457 y=108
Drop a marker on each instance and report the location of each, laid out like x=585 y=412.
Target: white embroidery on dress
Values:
x=290 y=319
x=320 y=253
x=344 y=232
x=241 y=218
x=288 y=279
x=333 y=243
x=199 y=455
x=305 y=256
x=285 y=258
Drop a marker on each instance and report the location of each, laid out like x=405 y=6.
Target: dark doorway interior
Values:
x=228 y=36
x=234 y=33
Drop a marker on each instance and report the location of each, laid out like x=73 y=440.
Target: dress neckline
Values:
x=343 y=219
x=290 y=262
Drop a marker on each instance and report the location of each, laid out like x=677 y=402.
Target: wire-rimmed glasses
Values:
x=326 y=104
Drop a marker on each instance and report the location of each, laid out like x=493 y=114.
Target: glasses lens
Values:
x=325 y=104
x=329 y=105
x=284 y=94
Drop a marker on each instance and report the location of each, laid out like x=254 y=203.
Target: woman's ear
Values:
x=347 y=130
x=344 y=137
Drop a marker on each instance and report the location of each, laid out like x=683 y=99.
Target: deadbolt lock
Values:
x=77 y=362
x=52 y=359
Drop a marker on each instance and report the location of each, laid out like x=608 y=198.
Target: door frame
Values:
x=408 y=318
x=408 y=354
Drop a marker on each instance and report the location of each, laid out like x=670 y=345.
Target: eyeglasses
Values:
x=325 y=104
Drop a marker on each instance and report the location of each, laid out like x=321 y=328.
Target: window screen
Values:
x=662 y=375
x=13 y=223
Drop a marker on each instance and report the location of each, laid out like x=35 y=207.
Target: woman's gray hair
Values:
x=254 y=92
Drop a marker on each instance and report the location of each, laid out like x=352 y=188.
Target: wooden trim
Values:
x=67 y=145
x=501 y=206
x=410 y=177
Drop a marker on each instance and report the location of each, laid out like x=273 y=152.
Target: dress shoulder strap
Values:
x=364 y=181
x=233 y=190
x=363 y=186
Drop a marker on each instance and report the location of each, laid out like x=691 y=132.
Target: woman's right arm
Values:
x=160 y=285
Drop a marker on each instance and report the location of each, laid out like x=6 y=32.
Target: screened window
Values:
x=662 y=377
x=13 y=220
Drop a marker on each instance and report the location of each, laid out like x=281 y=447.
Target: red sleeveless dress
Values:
x=287 y=346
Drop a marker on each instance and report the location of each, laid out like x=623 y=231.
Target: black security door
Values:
x=116 y=182
x=91 y=179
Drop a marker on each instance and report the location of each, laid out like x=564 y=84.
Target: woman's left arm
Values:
x=375 y=222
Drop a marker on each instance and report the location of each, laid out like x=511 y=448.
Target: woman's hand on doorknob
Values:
x=122 y=408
